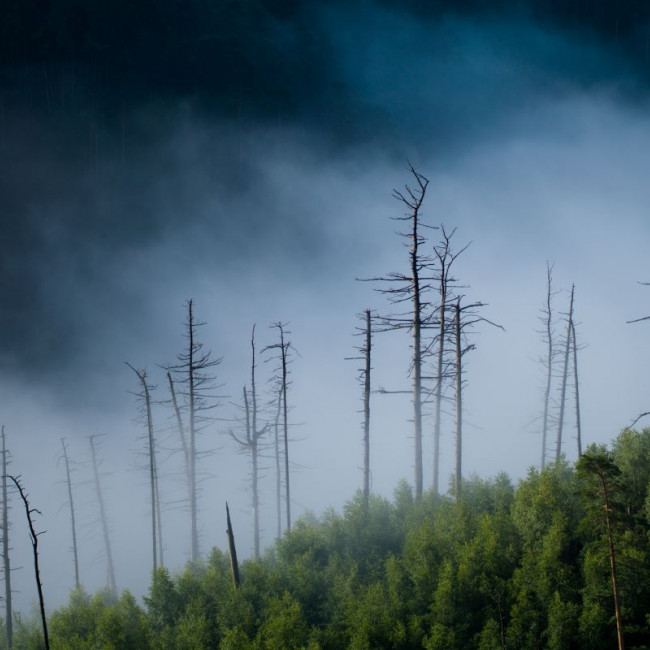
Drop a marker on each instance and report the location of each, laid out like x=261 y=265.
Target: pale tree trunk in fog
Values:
x=153 y=474
x=104 y=521
x=565 y=373
x=459 y=401
x=181 y=433
x=577 y=389
x=283 y=383
x=250 y=443
x=547 y=313
x=278 y=469
x=68 y=478
x=5 y=545
x=33 y=535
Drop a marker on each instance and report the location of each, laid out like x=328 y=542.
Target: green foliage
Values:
x=522 y=568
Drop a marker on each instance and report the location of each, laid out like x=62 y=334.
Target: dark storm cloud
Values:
x=131 y=133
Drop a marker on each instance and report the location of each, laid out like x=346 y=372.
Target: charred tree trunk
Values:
x=194 y=533
x=5 y=546
x=234 y=565
x=285 y=424
x=34 y=539
x=73 y=522
x=565 y=373
x=104 y=521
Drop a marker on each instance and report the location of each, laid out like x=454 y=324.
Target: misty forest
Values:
x=324 y=324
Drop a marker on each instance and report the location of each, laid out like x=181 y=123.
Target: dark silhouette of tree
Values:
x=282 y=385
x=192 y=373
x=410 y=288
x=73 y=520
x=564 y=378
x=447 y=286
x=5 y=544
x=576 y=387
x=33 y=535
x=465 y=317
x=103 y=517
x=250 y=444
x=234 y=564
x=156 y=526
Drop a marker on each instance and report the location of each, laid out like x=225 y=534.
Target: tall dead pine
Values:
x=33 y=535
x=110 y=568
x=156 y=537
x=73 y=521
x=410 y=288
x=565 y=374
x=548 y=361
x=5 y=545
x=250 y=443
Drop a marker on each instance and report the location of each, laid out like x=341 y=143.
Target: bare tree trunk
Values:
x=5 y=546
x=181 y=433
x=417 y=360
x=438 y=388
x=102 y=514
x=192 y=449
x=255 y=435
x=548 y=323
x=278 y=470
x=77 y=582
x=612 y=565
x=565 y=372
x=234 y=565
x=366 y=408
x=142 y=376
x=577 y=389
x=285 y=424
x=34 y=539
x=459 y=402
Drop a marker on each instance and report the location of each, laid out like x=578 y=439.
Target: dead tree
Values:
x=565 y=373
x=193 y=373
x=33 y=535
x=234 y=564
x=548 y=361
x=104 y=519
x=364 y=378
x=576 y=388
x=73 y=521
x=278 y=463
x=250 y=444
x=447 y=286
x=411 y=288
x=5 y=545
x=465 y=317
x=282 y=385
x=145 y=397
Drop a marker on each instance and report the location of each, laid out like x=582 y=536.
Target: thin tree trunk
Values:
x=5 y=546
x=75 y=552
x=192 y=449
x=459 y=403
x=366 y=409
x=577 y=389
x=565 y=372
x=612 y=565
x=438 y=390
x=37 y=573
x=152 y=463
x=234 y=565
x=285 y=425
x=417 y=358
x=549 y=361
x=253 y=443
x=102 y=514
x=278 y=470
x=181 y=432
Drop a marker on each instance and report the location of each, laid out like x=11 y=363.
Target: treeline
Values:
x=529 y=566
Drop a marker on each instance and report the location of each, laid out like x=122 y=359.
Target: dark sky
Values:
x=243 y=154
